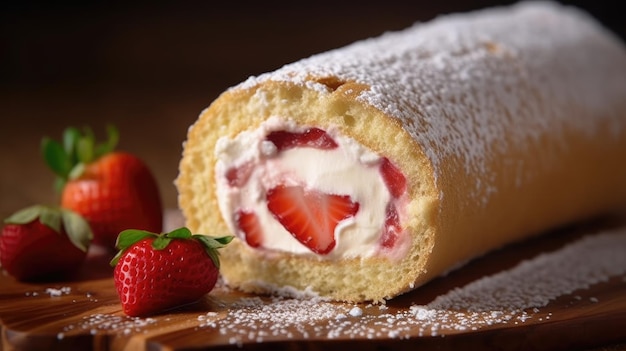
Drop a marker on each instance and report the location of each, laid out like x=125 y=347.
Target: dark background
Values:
x=150 y=67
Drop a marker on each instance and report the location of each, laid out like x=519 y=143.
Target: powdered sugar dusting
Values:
x=107 y=323
x=477 y=84
x=534 y=283
x=511 y=297
x=54 y=292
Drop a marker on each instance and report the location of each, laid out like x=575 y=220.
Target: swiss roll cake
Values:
x=361 y=173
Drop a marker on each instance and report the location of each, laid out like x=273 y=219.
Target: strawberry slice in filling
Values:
x=311 y=137
x=248 y=223
x=309 y=215
x=310 y=191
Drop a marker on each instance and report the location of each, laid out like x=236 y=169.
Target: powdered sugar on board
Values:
x=577 y=281
x=534 y=283
x=107 y=323
x=510 y=297
x=478 y=84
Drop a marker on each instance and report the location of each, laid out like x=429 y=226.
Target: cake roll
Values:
x=361 y=173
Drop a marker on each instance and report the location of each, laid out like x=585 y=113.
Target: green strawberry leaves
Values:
x=68 y=159
x=212 y=244
x=76 y=227
x=129 y=237
x=26 y=215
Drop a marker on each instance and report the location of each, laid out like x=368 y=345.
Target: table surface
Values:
x=84 y=312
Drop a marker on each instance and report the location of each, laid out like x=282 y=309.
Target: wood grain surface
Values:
x=83 y=313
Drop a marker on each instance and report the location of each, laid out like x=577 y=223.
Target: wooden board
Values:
x=84 y=313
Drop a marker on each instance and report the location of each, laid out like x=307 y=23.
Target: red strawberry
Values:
x=310 y=216
x=393 y=178
x=158 y=272
x=392 y=229
x=42 y=243
x=312 y=137
x=249 y=224
x=112 y=190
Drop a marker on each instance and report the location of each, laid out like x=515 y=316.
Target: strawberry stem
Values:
x=129 y=237
x=211 y=245
x=161 y=242
x=181 y=233
x=56 y=157
x=70 y=138
x=25 y=215
x=84 y=149
x=50 y=218
x=76 y=227
x=67 y=161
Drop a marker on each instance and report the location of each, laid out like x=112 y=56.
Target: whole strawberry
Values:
x=158 y=272
x=42 y=243
x=113 y=190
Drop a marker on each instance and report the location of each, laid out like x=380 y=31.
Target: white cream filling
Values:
x=350 y=169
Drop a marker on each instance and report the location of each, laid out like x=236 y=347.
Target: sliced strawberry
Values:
x=310 y=216
x=393 y=178
x=238 y=176
x=312 y=137
x=391 y=232
x=249 y=224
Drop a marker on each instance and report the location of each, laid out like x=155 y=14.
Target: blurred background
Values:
x=150 y=67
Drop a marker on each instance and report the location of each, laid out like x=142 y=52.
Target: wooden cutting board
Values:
x=83 y=313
